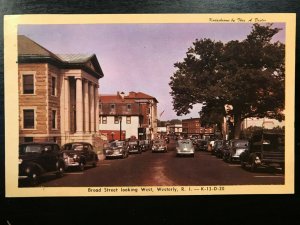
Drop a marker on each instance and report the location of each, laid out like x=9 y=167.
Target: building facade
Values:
x=58 y=94
x=191 y=126
x=123 y=116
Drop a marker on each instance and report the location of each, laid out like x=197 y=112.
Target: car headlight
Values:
x=75 y=156
x=65 y=156
x=20 y=161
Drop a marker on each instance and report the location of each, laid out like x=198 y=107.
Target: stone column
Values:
x=92 y=107
x=86 y=107
x=66 y=105
x=96 y=108
x=79 y=105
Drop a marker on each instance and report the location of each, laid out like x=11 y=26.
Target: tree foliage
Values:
x=248 y=74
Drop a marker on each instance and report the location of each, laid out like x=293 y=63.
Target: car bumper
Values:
x=159 y=150
x=185 y=152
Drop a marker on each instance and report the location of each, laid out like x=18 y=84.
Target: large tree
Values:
x=248 y=74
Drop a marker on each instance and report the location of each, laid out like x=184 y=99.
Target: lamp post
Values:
x=120 y=121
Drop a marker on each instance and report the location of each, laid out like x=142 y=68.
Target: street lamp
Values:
x=120 y=121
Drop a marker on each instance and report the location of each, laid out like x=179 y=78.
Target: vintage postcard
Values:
x=149 y=104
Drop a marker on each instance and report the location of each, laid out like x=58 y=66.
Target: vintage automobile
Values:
x=134 y=146
x=201 y=145
x=116 y=149
x=159 y=145
x=185 y=147
x=79 y=155
x=266 y=150
x=39 y=159
x=142 y=145
x=236 y=148
x=216 y=148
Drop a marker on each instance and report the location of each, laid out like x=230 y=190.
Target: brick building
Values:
x=58 y=94
x=134 y=114
x=191 y=126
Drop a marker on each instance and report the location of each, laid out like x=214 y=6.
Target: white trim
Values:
x=56 y=124
x=22 y=108
x=56 y=85
x=24 y=73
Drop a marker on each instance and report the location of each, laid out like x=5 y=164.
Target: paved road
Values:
x=164 y=169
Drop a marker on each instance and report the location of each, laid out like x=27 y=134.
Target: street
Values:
x=164 y=169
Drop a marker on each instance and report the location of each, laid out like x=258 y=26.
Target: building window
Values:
x=100 y=107
x=28 y=139
x=128 y=107
x=112 y=107
x=128 y=119
x=104 y=119
x=53 y=87
x=28 y=115
x=53 y=119
x=116 y=119
x=28 y=84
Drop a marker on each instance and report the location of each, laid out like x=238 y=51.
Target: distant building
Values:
x=58 y=94
x=174 y=129
x=134 y=114
x=191 y=126
x=261 y=122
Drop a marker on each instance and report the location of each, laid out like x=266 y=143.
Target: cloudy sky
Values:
x=136 y=57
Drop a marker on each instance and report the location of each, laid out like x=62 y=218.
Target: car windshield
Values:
x=23 y=149
x=158 y=142
x=218 y=143
x=240 y=144
x=115 y=144
x=187 y=142
x=273 y=142
x=75 y=147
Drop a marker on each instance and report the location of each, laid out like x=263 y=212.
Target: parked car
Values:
x=39 y=159
x=142 y=145
x=159 y=145
x=224 y=151
x=79 y=155
x=216 y=148
x=202 y=145
x=236 y=148
x=185 y=147
x=116 y=149
x=265 y=150
x=134 y=147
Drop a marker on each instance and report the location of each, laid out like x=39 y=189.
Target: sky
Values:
x=137 y=57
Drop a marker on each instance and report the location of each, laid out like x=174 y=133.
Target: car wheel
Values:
x=34 y=178
x=243 y=164
x=81 y=166
x=253 y=166
x=60 y=171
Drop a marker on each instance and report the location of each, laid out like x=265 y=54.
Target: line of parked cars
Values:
x=122 y=149
x=43 y=158
x=262 y=150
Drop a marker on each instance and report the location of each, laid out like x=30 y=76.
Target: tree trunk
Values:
x=237 y=126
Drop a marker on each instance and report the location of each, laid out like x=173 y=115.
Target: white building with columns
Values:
x=58 y=94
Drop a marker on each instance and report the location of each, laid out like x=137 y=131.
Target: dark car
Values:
x=159 y=145
x=116 y=149
x=266 y=150
x=134 y=147
x=236 y=148
x=144 y=145
x=202 y=145
x=216 y=148
x=79 y=155
x=38 y=159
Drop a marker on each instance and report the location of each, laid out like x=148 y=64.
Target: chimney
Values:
x=122 y=94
